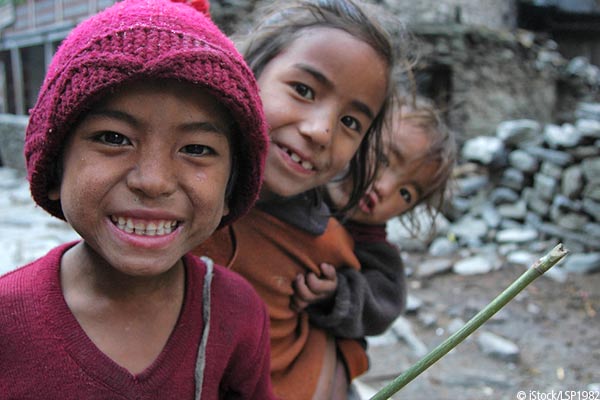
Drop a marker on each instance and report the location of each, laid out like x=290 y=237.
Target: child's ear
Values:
x=54 y=194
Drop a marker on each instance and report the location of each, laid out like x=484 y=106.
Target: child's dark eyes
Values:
x=112 y=138
x=197 y=150
x=117 y=139
x=351 y=123
x=304 y=91
x=307 y=93
x=405 y=193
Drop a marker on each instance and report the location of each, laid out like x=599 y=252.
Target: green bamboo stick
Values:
x=537 y=269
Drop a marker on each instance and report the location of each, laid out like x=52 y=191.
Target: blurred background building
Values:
x=30 y=31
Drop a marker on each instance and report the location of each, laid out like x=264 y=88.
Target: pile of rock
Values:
x=521 y=190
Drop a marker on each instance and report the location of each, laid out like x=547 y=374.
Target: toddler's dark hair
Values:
x=442 y=152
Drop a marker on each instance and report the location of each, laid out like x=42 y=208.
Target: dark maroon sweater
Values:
x=45 y=354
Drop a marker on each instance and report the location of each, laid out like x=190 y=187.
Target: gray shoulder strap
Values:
x=201 y=358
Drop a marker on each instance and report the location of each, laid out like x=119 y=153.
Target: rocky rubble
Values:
x=536 y=182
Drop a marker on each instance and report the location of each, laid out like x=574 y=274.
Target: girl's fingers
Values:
x=328 y=271
x=322 y=288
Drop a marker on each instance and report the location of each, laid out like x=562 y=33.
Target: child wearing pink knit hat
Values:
x=147 y=135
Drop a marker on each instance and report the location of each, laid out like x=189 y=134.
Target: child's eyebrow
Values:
x=206 y=127
x=104 y=112
x=362 y=107
x=318 y=75
x=397 y=152
x=324 y=80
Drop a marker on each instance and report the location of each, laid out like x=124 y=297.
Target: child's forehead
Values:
x=191 y=103
x=180 y=87
x=163 y=90
x=406 y=141
x=420 y=174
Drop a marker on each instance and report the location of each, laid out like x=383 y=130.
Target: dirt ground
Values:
x=555 y=325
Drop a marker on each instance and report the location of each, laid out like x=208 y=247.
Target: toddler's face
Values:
x=320 y=96
x=145 y=174
x=400 y=182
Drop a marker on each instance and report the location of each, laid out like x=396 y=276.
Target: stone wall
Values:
x=536 y=181
x=491 y=76
x=492 y=14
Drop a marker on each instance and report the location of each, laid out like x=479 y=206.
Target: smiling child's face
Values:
x=145 y=174
x=320 y=96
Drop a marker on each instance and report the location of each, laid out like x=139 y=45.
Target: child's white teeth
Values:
x=154 y=228
x=151 y=229
x=307 y=165
x=139 y=228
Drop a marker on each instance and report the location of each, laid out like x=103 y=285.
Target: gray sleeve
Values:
x=366 y=301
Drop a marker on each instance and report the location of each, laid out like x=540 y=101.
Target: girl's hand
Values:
x=311 y=288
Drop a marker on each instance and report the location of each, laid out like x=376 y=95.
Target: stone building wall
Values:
x=492 y=14
x=490 y=76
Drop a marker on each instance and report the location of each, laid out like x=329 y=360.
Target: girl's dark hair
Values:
x=280 y=23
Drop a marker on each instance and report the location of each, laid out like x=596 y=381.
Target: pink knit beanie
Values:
x=145 y=39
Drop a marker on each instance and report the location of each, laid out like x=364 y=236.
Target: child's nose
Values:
x=319 y=127
x=385 y=183
x=152 y=176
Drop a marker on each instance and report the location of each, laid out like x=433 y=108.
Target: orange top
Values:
x=270 y=253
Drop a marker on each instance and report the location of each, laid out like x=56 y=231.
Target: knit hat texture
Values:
x=145 y=39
